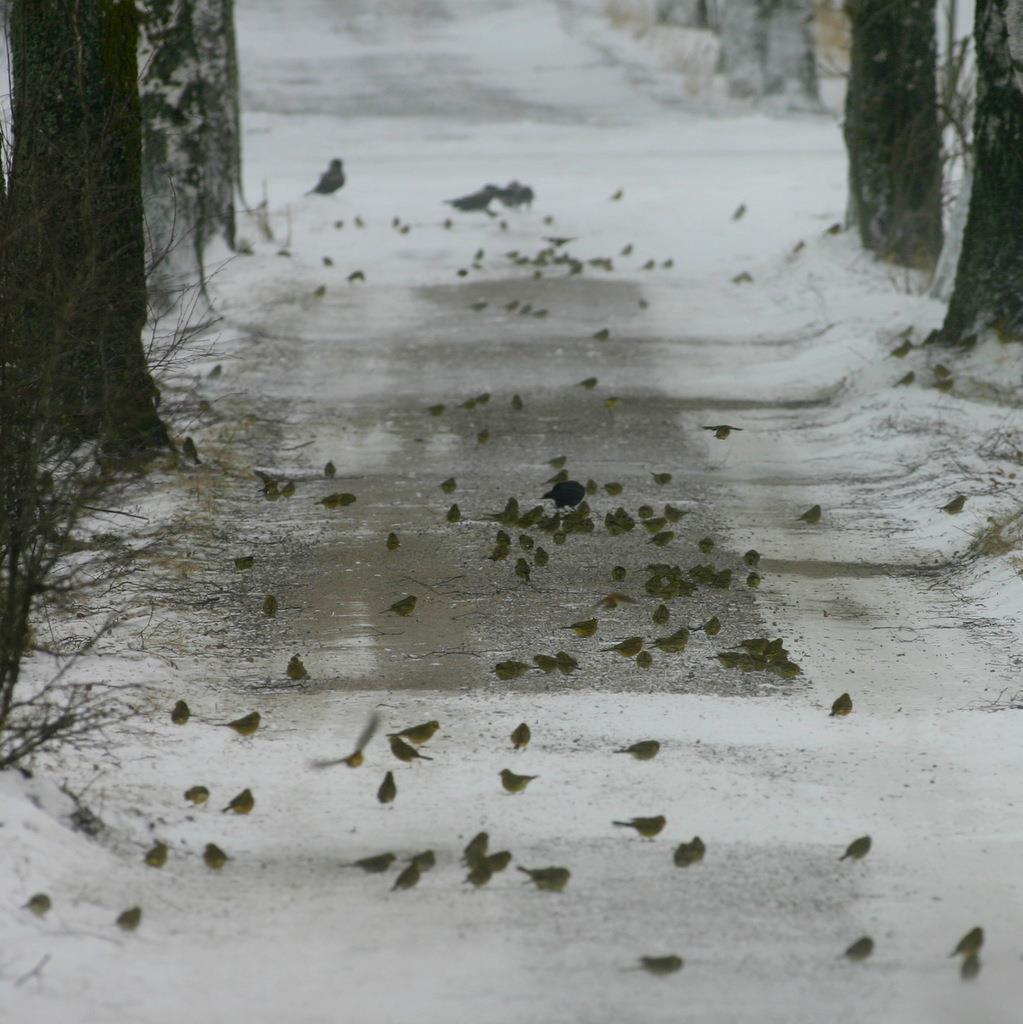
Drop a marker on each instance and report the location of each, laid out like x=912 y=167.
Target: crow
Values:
x=330 y=181
x=568 y=492
x=475 y=201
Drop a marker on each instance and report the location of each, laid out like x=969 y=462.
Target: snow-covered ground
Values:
x=426 y=101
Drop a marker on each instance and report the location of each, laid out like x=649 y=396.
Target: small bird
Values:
x=646 y=827
x=676 y=643
x=522 y=569
x=857 y=849
x=515 y=783
x=340 y=499
x=583 y=628
x=419 y=734
x=661 y=965
x=408 y=878
x=903 y=350
x=388 y=789
x=860 y=949
x=436 y=410
x=970 y=967
x=721 y=430
x=39 y=904
x=245 y=561
x=712 y=626
x=355 y=758
x=424 y=860
x=644 y=750
x=644 y=659
x=480 y=873
x=246 y=725
x=546 y=663
x=842 y=705
x=197 y=795
x=617 y=195
x=551 y=879
x=662 y=539
x=454 y=514
x=181 y=713
x=689 y=853
x=516 y=403
x=475 y=201
x=404 y=751
x=128 y=920
x=602 y=335
x=375 y=865
x=970 y=943
x=740 y=210
x=447 y=486
x=566 y=663
x=270 y=606
x=661 y=615
x=521 y=736
x=590 y=383
x=242 y=803
x=906 y=379
x=510 y=669
x=627 y=648
x=330 y=470
x=567 y=493
x=476 y=849
x=661 y=478
x=296 y=670
x=405 y=607
x=673 y=515
x=752 y=558
x=190 y=451
x=156 y=855
x=955 y=506
x=393 y=542
x=811 y=515
x=498 y=861
x=330 y=181
x=214 y=857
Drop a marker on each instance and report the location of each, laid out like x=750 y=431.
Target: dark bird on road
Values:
x=568 y=492
x=476 y=200
x=330 y=181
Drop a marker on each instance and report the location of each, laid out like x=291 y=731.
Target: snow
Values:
x=882 y=599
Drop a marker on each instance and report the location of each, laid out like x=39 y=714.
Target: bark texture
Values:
x=891 y=130
x=191 y=152
x=988 y=289
x=74 y=286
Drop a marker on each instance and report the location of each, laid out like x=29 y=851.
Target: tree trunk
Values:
x=767 y=50
x=891 y=130
x=988 y=291
x=191 y=151
x=74 y=269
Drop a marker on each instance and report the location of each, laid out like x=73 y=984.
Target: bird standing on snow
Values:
x=476 y=200
x=330 y=181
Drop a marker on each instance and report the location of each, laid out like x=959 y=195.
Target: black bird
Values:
x=515 y=194
x=330 y=180
x=568 y=492
x=476 y=200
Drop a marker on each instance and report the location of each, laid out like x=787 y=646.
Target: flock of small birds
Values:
x=662 y=582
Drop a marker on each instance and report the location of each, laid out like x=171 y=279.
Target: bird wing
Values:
x=368 y=730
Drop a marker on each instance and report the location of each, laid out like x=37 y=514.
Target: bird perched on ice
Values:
x=568 y=492
x=330 y=181
x=476 y=200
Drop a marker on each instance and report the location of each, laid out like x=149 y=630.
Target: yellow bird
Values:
x=479 y=874
x=447 y=486
x=406 y=606
x=661 y=478
x=842 y=705
x=970 y=943
x=296 y=670
x=860 y=949
x=393 y=543
x=246 y=725
x=454 y=514
x=388 y=789
x=404 y=751
x=498 y=861
x=337 y=500
x=375 y=865
x=242 y=803
x=197 y=795
x=661 y=965
x=721 y=430
x=355 y=758
x=156 y=855
x=955 y=506
x=521 y=736
x=546 y=663
x=617 y=195
x=627 y=648
x=425 y=860
x=270 y=606
x=712 y=626
x=515 y=783
x=903 y=350
x=214 y=857
x=583 y=628
x=857 y=849
x=661 y=615
x=510 y=669
x=752 y=558
x=644 y=750
x=181 y=713
x=811 y=515
x=476 y=849
x=408 y=878
x=906 y=379
x=590 y=383
x=128 y=920
x=244 y=562
x=673 y=515
x=646 y=827
x=553 y=879
x=39 y=904
x=689 y=853
x=330 y=470
x=419 y=734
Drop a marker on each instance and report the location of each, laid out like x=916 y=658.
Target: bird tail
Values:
x=624 y=824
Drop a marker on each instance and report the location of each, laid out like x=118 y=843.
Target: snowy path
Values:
x=428 y=102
